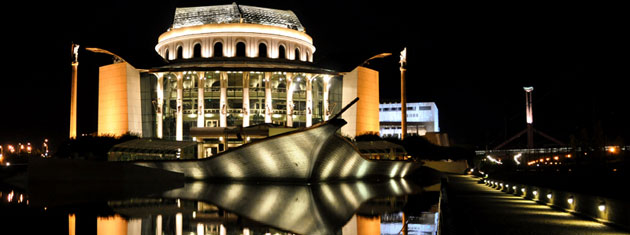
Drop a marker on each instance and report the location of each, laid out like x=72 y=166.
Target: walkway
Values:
x=478 y=209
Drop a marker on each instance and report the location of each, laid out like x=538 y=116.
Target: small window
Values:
x=282 y=52
x=197 y=50
x=262 y=50
x=180 y=53
x=218 y=49
x=240 y=49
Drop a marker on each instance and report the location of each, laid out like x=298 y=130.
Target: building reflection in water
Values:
x=241 y=208
x=331 y=208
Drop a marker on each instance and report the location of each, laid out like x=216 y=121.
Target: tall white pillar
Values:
x=158 y=225
x=179 y=122
x=268 y=103
x=200 y=99
x=160 y=106
x=325 y=101
x=309 y=100
x=245 y=111
x=289 y=90
x=179 y=223
x=223 y=108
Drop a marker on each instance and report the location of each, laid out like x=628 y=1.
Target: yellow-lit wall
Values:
x=363 y=116
x=367 y=107
x=119 y=100
x=114 y=225
x=368 y=225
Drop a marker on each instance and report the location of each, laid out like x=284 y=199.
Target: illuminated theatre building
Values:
x=234 y=73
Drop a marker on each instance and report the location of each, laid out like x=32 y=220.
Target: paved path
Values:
x=478 y=209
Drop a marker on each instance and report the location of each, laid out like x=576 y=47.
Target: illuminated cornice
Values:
x=234 y=28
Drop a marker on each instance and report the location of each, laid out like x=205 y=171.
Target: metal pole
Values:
x=73 y=92
x=403 y=94
x=529 y=116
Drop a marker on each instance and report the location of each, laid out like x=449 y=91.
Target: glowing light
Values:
x=556 y=158
x=517 y=159
x=514 y=187
x=568 y=155
x=490 y=158
x=535 y=192
x=570 y=200
x=523 y=190
x=602 y=207
x=612 y=149
x=549 y=195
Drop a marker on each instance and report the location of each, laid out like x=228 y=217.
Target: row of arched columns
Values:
x=237 y=46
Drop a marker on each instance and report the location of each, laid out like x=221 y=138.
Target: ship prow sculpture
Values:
x=312 y=154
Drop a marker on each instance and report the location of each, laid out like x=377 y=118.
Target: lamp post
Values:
x=403 y=93
x=382 y=55
x=73 y=92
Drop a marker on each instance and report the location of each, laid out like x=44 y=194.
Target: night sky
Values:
x=471 y=59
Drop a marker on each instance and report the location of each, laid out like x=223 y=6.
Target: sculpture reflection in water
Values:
x=204 y=208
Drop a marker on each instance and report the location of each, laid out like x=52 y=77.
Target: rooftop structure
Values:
x=234 y=13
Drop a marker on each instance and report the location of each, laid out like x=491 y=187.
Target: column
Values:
x=179 y=122
x=73 y=93
x=160 y=105
x=223 y=100
x=268 y=103
x=289 y=89
x=200 y=99
x=158 y=225
x=309 y=100
x=325 y=98
x=245 y=110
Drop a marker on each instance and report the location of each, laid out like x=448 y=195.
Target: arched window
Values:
x=262 y=50
x=180 y=53
x=166 y=54
x=297 y=54
x=240 y=49
x=197 y=50
x=218 y=49
x=281 y=52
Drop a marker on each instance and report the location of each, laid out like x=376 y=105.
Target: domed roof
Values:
x=234 y=13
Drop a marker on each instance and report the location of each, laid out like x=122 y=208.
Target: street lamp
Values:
x=379 y=56
x=403 y=93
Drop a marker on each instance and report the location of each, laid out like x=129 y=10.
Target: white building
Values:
x=422 y=117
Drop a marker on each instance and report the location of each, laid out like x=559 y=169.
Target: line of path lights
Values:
x=594 y=207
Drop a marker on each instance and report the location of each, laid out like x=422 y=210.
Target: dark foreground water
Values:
x=375 y=207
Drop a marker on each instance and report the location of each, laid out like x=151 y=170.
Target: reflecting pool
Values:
x=357 y=207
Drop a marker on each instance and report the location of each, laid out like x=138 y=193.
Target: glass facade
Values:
x=240 y=84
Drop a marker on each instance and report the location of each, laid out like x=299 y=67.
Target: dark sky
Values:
x=472 y=59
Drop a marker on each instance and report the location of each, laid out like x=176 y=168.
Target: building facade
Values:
x=422 y=118
x=232 y=66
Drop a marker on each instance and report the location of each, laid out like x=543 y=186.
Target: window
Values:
x=424 y=108
x=180 y=53
x=197 y=50
x=281 y=52
x=166 y=54
x=218 y=49
x=262 y=50
x=240 y=49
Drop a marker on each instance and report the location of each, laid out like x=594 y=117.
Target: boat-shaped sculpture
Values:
x=312 y=154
